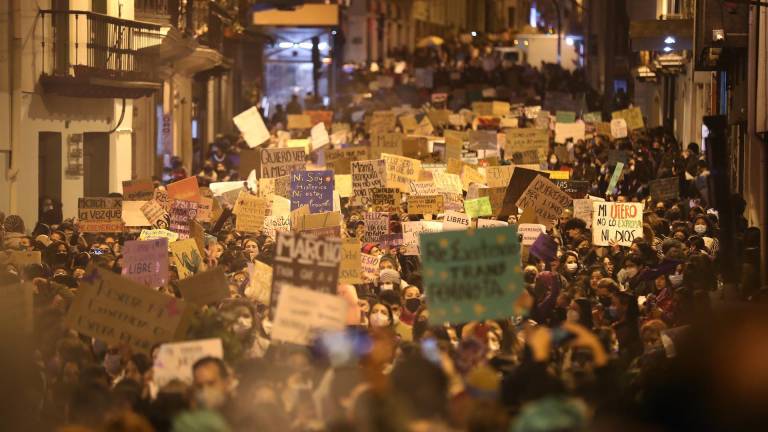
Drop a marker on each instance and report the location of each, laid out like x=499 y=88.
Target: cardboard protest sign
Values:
x=366 y=176
x=97 y=214
x=146 y=261
x=633 y=117
x=340 y=159
x=319 y=136
x=401 y=171
x=185 y=189
x=305 y=261
x=322 y=116
x=593 y=117
x=478 y=207
x=133 y=216
x=616 y=223
x=174 y=361
x=376 y=226
x=408 y=123
x=350 y=268
x=425 y=204
x=155 y=214
x=617 y=172
x=204 y=209
x=181 y=216
x=326 y=223
x=499 y=176
x=272 y=162
x=482 y=140
x=522 y=140
x=252 y=127
x=665 y=188
x=386 y=142
x=472 y=276
x=382 y=121
x=302 y=314
x=299 y=121
x=116 y=311
x=138 y=190
x=565 y=116
x=259 y=287
x=574 y=188
x=545 y=199
x=158 y=234
x=439 y=117
x=530 y=232
x=186 y=257
x=447 y=183
x=275 y=186
x=619 y=128
x=569 y=131
x=250 y=211
x=416 y=147
x=370 y=266
x=519 y=181
x=384 y=199
x=544 y=248
x=16 y=309
x=490 y=223
x=312 y=188
x=582 y=208
x=423 y=188
x=470 y=175
x=412 y=230
x=205 y=287
x=453 y=146
x=455 y=221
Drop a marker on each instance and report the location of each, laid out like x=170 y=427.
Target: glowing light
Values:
x=667 y=48
x=669 y=40
x=285 y=45
x=306 y=45
x=533 y=18
x=474 y=34
x=569 y=41
x=323 y=45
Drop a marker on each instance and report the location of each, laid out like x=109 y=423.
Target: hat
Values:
x=389 y=276
x=368 y=247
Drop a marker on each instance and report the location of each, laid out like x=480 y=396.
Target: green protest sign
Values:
x=478 y=207
x=472 y=275
x=614 y=178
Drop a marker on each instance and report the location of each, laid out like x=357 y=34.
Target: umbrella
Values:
x=430 y=41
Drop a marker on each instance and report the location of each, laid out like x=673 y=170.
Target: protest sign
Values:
x=665 y=188
x=312 y=188
x=593 y=117
x=272 y=162
x=370 y=266
x=565 y=116
x=339 y=159
x=544 y=248
x=376 y=226
x=411 y=231
x=455 y=221
x=490 y=223
x=616 y=223
x=250 y=212
x=97 y=214
x=439 y=117
x=603 y=128
x=530 y=232
x=545 y=199
x=259 y=287
x=138 y=190
x=275 y=186
x=302 y=314
x=522 y=140
x=614 y=178
x=401 y=171
x=416 y=147
x=118 y=311
x=508 y=122
x=322 y=116
x=386 y=142
x=186 y=257
x=408 y=123
x=343 y=185
x=582 y=208
x=478 y=207
x=185 y=189
x=204 y=209
x=155 y=214
x=146 y=261
x=470 y=175
x=633 y=118
x=133 y=216
x=299 y=121
x=350 y=268
x=423 y=188
x=574 y=188
x=326 y=223
x=205 y=287
x=382 y=121
x=425 y=204
x=159 y=233
x=384 y=199
x=319 y=136
x=482 y=140
x=499 y=176
x=519 y=181
x=252 y=127
x=305 y=261
x=16 y=309
x=569 y=131
x=543 y=120
x=472 y=276
x=619 y=128
x=181 y=216
x=174 y=361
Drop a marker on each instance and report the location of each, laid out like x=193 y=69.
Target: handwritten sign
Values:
x=159 y=233
x=259 y=282
x=499 y=176
x=303 y=313
x=181 y=216
x=574 y=188
x=616 y=222
x=665 y=188
x=455 y=221
x=100 y=214
x=569 y=131
x=384 y=199
x=174 y=361
x=490 y=223
x=276 y=162
x=185 y=189
x=382 y=121
x=204 y=288
x=472 y=276
x=401 y=171
x=619 y=128
x=250 y=211
x=146 y=261
x=116 y=311
x=340 y=159
x=633 y=117
x=545 y=199
x=582 y=208
x=312 y=188
x=482 y=140
x=370 y=266
x=156 y=215
x=522 y=140
x=423 y=188
x=376 y=226
x=252 y=127
x=530 y=232
x=138 y=190
x=412 y=230
x=350 y=269
x=299 y=121
x=186 y=257
x=425 y=204
x=478 y=207
x=386 y=142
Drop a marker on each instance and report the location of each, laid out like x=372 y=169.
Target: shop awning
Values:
x=655 y=35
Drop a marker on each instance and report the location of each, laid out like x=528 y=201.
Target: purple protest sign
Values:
x=312 y=188
x=146 y=261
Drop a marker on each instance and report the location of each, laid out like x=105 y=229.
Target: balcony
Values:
x=86 y=54
x=164 y=12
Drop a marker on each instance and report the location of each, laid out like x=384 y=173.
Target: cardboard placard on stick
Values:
x=545 y=199
x=146 y=261
x=208 y=287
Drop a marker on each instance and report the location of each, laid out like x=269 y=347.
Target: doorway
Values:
x=95 y=164
x=49 y=165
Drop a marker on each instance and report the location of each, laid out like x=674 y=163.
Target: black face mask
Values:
x=412 y=304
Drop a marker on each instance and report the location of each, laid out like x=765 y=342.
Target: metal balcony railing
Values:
x=83 y=44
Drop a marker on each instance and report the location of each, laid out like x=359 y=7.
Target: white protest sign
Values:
x=455 y=221
x=370 y=266
x=616 y=222
x=490 y=223
x=411 y=231
x=582 y=208
x=530 y=232
x=252 y=126
x=619 y=128
x=174 y=361
x=319 y=136
x=303 y=313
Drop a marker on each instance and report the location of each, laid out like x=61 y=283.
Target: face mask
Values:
x=412 y=304
x=676 y=279
x=630 y=272
x=242 y=326
x=700 y=229
x=210 y=398
x=572 y=267
x=112 y=364
x=572 y=316
x=379 y=320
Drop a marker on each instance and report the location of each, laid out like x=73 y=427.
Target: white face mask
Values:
x=676 y=279
x=630 y=272
x=700 y=229
x=572 y=316
x=571 y=267
x=379 y=320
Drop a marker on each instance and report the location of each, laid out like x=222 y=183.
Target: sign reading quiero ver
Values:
x=471 y=275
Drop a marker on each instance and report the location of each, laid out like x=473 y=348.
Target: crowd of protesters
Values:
x=632 y=338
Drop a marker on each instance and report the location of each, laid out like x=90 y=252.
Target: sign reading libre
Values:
x=616 y=222
x=471 y=275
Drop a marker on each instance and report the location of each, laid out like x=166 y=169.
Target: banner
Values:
x=471 y=276
x=146 y=261
x=118 y=311
x=312 y=188
x=208 y=287
x=616 y=222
